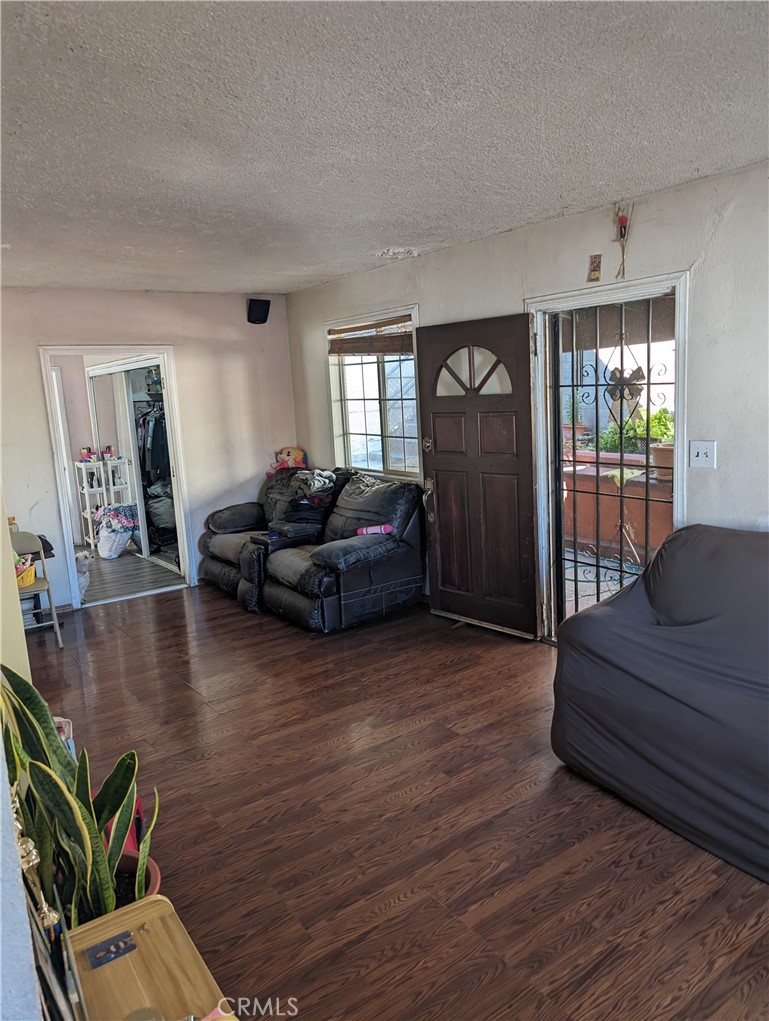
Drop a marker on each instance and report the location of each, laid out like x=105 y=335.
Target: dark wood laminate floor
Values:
x=127 y=577
x=374 y=824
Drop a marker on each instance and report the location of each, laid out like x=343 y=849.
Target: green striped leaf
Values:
x=61 y=806
x=43 y=838
x=122 y=824
x=113 y=791
x=101 y=890
x=83 y=783
x=144 y=851
x=11 y=758
x=38 y=709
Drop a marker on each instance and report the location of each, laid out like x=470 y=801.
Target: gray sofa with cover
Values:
x=662 y=692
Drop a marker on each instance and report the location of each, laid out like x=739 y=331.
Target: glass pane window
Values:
x=379 y=402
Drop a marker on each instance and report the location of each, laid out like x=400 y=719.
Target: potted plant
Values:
x=79 y=835
x=572 y=420
x=633 y=440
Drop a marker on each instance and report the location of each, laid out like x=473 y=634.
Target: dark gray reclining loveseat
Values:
x=309 y=565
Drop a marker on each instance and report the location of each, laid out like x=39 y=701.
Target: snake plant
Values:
x=79 y=850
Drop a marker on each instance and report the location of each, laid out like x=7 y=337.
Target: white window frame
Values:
x=338 y=406
x=602 y=294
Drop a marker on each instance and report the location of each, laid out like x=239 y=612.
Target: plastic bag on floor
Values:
x=111 y=544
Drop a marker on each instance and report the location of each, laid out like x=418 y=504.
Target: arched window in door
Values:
x=472 y=370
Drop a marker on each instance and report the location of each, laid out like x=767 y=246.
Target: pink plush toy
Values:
x=375 y=530
x=288 y=457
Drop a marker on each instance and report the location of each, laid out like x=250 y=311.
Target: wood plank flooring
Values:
x=128 y=576
x=374 y=824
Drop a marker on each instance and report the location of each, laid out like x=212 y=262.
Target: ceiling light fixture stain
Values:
x=398 y=253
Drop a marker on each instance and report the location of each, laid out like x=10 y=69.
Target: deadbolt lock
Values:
x=427 y=444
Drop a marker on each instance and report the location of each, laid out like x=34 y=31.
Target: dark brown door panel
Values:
x=475 y=400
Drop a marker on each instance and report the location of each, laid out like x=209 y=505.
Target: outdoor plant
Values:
x=661 y=430
x=79 y=835
x=571 y=411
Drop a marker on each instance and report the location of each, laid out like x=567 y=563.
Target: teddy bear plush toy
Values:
x=288 y=457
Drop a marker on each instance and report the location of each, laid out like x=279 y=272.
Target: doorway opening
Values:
x=609 y=385
x=613 y=426
x=121 y=496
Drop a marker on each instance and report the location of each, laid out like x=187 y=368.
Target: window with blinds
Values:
x=374 y=391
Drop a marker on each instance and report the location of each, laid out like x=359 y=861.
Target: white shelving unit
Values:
x=100 y=483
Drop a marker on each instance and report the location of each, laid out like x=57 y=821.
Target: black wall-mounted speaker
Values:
x=258 y=310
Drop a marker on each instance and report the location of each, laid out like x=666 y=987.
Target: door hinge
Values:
x=535 y=338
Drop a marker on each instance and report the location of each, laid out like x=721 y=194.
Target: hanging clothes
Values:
x=152 y=438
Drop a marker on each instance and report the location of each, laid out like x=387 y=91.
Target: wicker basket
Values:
x=27 y=577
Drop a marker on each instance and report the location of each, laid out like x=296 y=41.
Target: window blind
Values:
x=385 y=337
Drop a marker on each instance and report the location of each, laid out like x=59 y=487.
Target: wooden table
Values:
x=165 y=973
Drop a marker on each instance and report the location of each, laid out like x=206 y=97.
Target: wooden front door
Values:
x=475 y=407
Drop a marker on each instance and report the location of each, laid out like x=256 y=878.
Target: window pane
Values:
x=380 y=392
x=373 y=423
x=412 y=455
x=356 y=419
x=393 y=377
x=410 y=418
x=358 y=451
x=483 y=359
x=375 y=452
x=460 y=363
x=498 y=382
x=371 y=379
x=447 y=386
x=397 y=455
x=353 y=378
x=394 y=418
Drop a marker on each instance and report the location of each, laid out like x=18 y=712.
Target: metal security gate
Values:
x=612 y=371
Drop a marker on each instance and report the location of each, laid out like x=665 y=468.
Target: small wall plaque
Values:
x=594 y=269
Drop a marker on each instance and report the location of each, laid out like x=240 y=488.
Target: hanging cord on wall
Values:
x=622 y=215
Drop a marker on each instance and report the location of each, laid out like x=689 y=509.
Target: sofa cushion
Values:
x=366 y=500
x=294 y=569
x=238 y=518
x=346 y=553
x=705 y=573
x=227 y=547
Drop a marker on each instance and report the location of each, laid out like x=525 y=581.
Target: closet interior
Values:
x=122 y=505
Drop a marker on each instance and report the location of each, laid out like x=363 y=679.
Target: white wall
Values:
x=75 y=390
x=17 y=983
x=717 y=228
x=234 y=381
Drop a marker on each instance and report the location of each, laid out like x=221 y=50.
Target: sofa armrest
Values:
x=270 y=542
x=342 y=554
x=239 y=517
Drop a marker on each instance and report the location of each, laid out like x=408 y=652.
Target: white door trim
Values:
x=61 y=478
x=61 y=437
x=586 y=297
x=134 y=356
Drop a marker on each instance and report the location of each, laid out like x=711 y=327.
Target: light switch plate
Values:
x=702 y=453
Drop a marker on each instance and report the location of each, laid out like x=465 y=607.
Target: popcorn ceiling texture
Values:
x=272 y=146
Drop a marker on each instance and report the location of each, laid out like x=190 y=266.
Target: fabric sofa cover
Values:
x=662 y=692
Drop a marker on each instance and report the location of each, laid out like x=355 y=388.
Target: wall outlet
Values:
x=702 y=453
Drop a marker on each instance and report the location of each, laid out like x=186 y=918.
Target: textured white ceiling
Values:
x=271 y=146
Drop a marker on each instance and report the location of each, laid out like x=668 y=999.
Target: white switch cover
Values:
x=702 y=453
